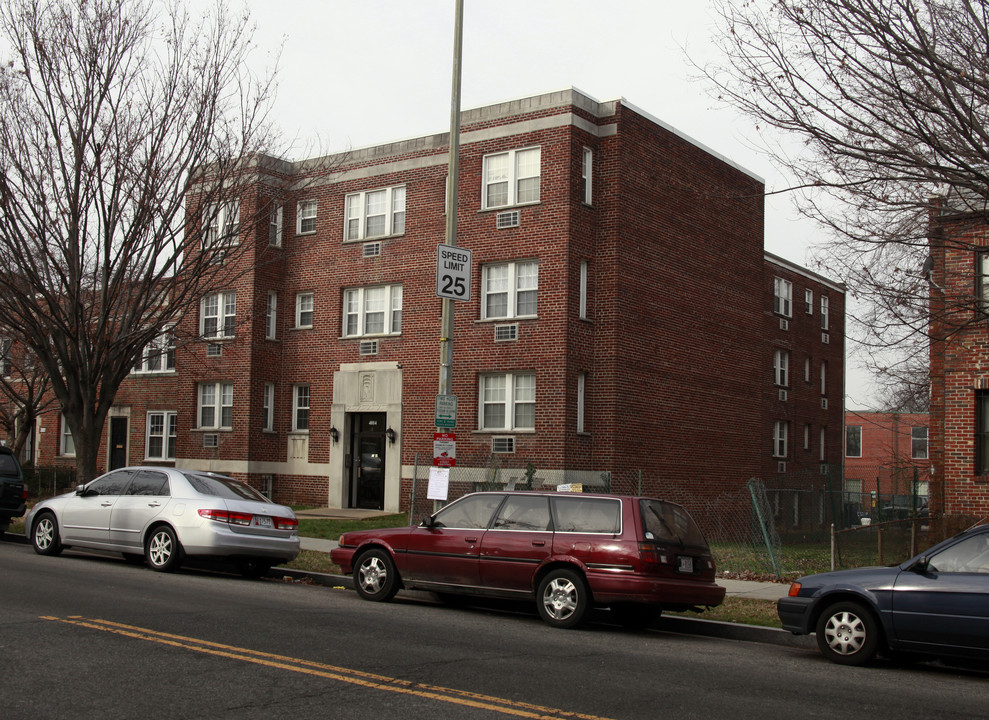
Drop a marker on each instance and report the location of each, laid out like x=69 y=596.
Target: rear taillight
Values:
x=24 y=493
x=286 y=523
x=227 y=516
x=648 y=553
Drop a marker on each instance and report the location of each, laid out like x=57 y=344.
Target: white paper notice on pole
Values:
x=439 y=483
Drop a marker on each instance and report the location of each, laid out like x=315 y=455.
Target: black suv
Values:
x=13 y=490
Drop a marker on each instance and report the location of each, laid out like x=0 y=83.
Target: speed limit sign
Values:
x=453 y=270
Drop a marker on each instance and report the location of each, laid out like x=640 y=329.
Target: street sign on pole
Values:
x=444 y=449
x=446 y=411
x=453 y=269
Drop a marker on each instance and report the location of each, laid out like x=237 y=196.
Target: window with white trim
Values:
x=823 y=440
x=300 y=408
x=782 y=296
x=215 y=406
x=162 y=431
x=268 y=407
x=222 y=224
x=824 y=377
x=158 y=355
x=372 y=311
x=67 y=445
x=807 y=370
x=303 y=310
x=375 y=213
x=824 y=312
x=809 y=301
x=217 y=315
x=853 y=441
x=807 y=436
x=781 y=429
x=584 y=267
x=306 y=217
x=586 y=171
x=271 y=316
x=508 y=401
x=275 y=227
x=510 y=178
x=6 y=365
x=781 y=368
x=509 y=290
x=918 y=443
x=581 y=396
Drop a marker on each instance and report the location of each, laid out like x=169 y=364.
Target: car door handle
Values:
x=154 y=504
x=106 y=504
x=470 y=540
x=538 y=543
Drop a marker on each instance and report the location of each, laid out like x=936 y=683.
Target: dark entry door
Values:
x=118 y=442
x=367 y=489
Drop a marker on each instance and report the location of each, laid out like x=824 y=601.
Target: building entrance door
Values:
x=118 y=442
x=367 y=483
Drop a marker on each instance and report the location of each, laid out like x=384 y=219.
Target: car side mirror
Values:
x=919 y=565
x=427 y=522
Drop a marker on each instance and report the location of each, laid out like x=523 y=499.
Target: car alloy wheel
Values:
x=45 y=537
x=563 y=598
x=162 y=550
x=375 y=576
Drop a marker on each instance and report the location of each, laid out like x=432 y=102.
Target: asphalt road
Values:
x=93 y=637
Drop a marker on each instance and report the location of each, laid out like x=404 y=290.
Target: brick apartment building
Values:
x=887 y=459
x=959 y=243
x=625 y=322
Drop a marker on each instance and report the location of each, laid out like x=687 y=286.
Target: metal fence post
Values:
x=762 y=527
x=833 y=539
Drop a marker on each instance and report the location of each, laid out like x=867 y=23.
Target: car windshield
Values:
x=224 y=487
x=668 y=523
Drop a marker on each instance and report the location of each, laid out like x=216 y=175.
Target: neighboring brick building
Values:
x=959 y=295
x=618 y=323
x=887 y=459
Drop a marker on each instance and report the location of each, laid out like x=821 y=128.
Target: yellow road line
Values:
x=332 y=672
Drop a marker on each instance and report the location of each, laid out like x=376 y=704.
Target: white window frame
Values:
x=511 y=175
x=584 y=267
x=275 y=227
x=224 y=313
x=305 y=304
x=914 y=439
x=825 y=308
x=222 y=225
x=587 y=175
x=809 y=301
x=581 y=399
x=168 y=434
x=355 y=307
x=66 y=443
x=781 y=368
x=781 y=432
x=271 y=316
x=301 y=399
x=824 y=377
x=518 y=390
x=782 y=297
x=847 y=452
x=515 y=273
x=306 y=211
x=163 y=348
x=807 y=436
x=807 y=369
x=268 y=407
x=6 y=365
x=216 y=397
x=356 y=208
x=823 y=436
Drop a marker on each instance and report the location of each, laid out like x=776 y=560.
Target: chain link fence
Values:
x=48 y=481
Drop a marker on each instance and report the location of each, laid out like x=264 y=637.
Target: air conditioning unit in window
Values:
x=824 y=403
x=825 y=338
x=506 y=332
x=783 y=395
x=508 y=219
x=824 y=468
x=218 y=257
x=502 y=444
x=781 y=466
x=369 y=347
x=784 y=324
x=214 y=350
x=372 y=249
x=210 y=440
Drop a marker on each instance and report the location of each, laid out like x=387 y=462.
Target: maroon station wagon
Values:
x=567 y=551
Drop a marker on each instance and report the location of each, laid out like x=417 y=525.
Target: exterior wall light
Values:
x=390 y=434
x=334 y=434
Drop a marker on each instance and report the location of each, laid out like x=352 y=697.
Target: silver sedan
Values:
x=163 y=515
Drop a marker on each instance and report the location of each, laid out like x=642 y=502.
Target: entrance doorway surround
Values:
x=358 y=388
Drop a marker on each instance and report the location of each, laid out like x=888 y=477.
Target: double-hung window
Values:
x=782 y=296
x=222 y=224
x=300 y=408
x=375 y=213
x=275 y=227
x=303 y=310
x=582 y=310
x=809 y=302
x=511 y=178
x=853 y=441
x=67 y=445
x=586 y=175
x=824 y=312
x=781 y=368
x=918 y=443
x=158 y=355
x=372 y=311
x=510 y=290
x=218 y=315
x=271 y=316
x=508 y=401
x=781 y=431
x=268 y=407
x=581 y=400
x=306 y=217
x=216 y=405
x=161 y=435
x=982 y=432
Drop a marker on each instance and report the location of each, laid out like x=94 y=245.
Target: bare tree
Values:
x=876 y=107
x=24 y=393
x=114 y=115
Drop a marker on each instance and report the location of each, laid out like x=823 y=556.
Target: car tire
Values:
x=252 y=568
x=848 y=633
x=44 y=535
x=375 y=576
x=162 y=550
x=563 y=598
x=635 y=616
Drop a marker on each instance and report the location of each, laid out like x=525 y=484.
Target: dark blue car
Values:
x=934 y=604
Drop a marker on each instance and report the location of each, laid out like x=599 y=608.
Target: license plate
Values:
x=685 y=564
x=262 y=521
